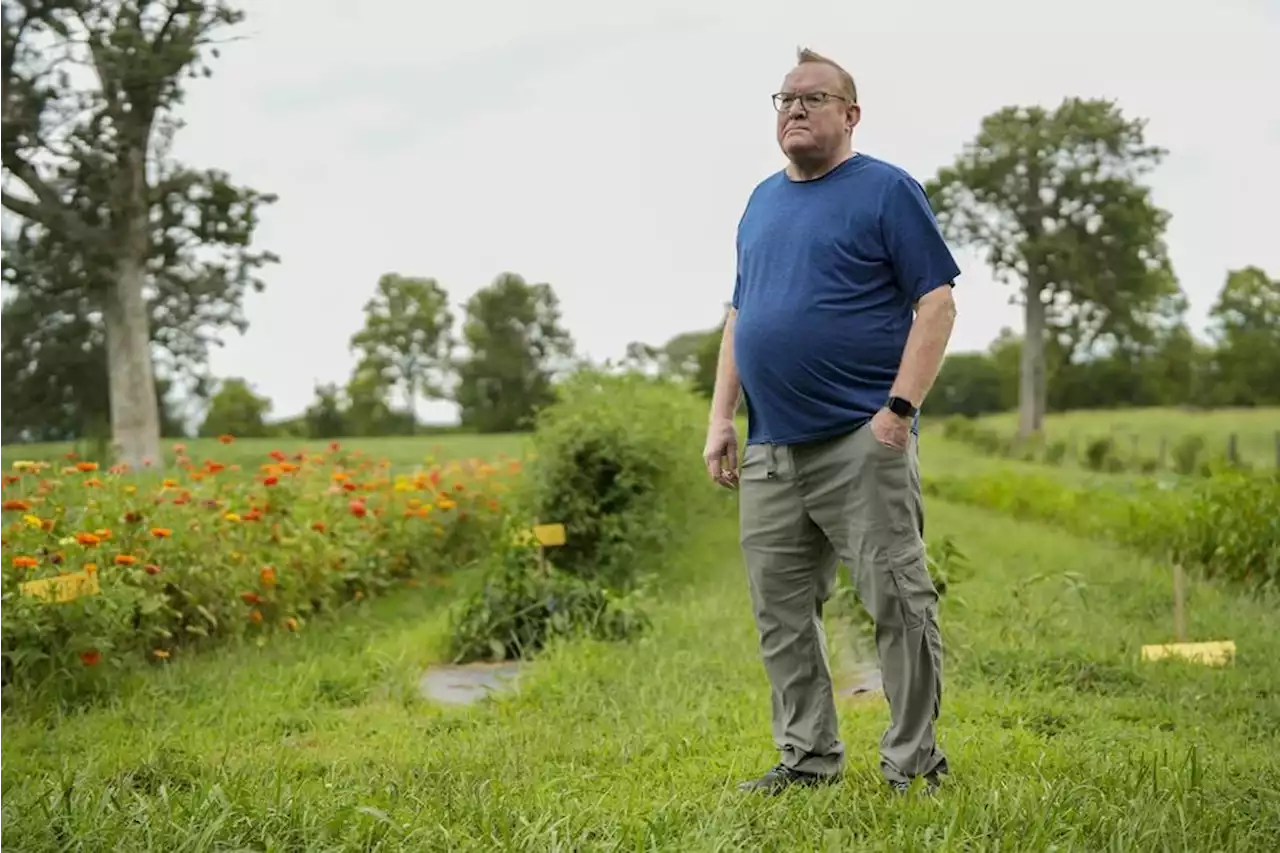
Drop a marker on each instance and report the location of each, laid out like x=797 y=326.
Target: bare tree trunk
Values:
x=135 y=413
x=1032 y=393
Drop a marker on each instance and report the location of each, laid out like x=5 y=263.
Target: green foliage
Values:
x=1245 y=323
x=1056 y=201
x=407 y=332
x=236 y=410
x=1227 y=525
x=515 y=345
x=523 y=605
x=143 y=247
x=616 y=460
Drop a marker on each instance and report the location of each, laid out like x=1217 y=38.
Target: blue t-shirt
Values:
x=828 y=273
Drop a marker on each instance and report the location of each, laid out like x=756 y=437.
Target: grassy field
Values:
x=1059 y=737
x=1142 y=430
x=403 y=452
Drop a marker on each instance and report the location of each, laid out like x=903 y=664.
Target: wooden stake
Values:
x=1179 y=604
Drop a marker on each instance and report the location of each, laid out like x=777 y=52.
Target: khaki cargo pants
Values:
x=804 y=509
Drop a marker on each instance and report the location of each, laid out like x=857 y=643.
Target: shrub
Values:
x=1186 y=454
x=524 y=604
x=1100 y=455
x=616 y=460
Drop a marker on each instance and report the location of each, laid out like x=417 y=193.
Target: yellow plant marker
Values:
x=1214 y=653
x=544 y=535
x=63 y=588
x=549 y=535
x=1211 y=654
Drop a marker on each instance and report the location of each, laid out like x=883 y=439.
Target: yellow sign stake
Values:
x=544 y=536
x=63 y=588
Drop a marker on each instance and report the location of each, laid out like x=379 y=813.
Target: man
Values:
x=836 y=253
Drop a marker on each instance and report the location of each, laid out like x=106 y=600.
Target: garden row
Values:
x=1189 y=455
x=1226 y=526
x=153 y=568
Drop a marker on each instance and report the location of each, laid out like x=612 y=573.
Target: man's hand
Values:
x=891 y=430
x=721 y=453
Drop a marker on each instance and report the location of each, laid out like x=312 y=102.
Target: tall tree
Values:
x=54 y=371
x=408 y=329
x=1245 y=325
x=87 y=167
x=515 y=346
x=1056 y=201
x=236 y=409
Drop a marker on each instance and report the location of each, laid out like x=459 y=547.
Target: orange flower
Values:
x=278 y=455
x=92 y=657
x=93 y=483
x=169 y=483
x=333 y=447
x=102 y=533
x=226 y=439
x=125 y=560
x=17 y=506
x=132 y=517
x=86 y=467
x=255 y=616
x=250 y=598
x=87 y=539
x=318 y=526
x=179 y=449
x=160 y=654
x=151 y=569
x=161 y=532
x=291 y=624
x=25 y=562
x=271 y=481
x=358 y=509
x=267 y=574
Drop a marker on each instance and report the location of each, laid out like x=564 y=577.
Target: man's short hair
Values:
x=847 y=86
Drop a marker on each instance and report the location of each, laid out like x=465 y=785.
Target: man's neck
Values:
x=809 y=171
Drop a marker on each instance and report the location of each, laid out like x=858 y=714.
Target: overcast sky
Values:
x=608 y=148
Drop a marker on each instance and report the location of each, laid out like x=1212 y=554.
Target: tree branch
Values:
x=48 y=208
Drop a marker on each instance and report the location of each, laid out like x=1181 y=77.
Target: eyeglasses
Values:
x=783 y=101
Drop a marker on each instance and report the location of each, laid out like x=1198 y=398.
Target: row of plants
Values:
x=208 y=551
x=1190 y=455
x=1226 y=526
x=615 y=460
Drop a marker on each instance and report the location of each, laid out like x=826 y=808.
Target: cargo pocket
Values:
x=910 y=576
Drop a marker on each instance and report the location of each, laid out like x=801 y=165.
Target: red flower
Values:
x=92 y=657
x=358 y=509
x=271 y=481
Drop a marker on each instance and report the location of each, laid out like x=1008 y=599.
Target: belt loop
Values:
x=771 y=465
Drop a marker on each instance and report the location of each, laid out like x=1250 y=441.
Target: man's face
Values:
x=809 y=133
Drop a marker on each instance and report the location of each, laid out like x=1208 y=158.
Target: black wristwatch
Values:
x=901 y=407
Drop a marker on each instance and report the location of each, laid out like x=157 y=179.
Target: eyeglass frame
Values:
x=800 y=96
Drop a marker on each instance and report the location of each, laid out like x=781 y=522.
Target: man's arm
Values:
x=926 y=345
x=728 y=388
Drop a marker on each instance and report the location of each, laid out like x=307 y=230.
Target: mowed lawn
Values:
x=1256 y=430
x=1059 y=737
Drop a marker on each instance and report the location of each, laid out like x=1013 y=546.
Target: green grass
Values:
x=1059 y=738
x=402 y=451
x=1256 y=430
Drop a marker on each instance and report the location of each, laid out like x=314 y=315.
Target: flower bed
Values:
x=214 y=550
